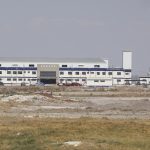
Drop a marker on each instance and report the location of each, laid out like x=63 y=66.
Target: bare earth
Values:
x=68 y=106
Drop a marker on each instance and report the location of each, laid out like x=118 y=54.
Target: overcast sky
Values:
x=76 y=28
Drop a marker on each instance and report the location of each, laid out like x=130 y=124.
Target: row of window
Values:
x=76 y=80
x=95 y=66
x=61 y=80
x=16 y=65
x=20 y=79
x=98 y=73
x=19 y=72
x=118 y=80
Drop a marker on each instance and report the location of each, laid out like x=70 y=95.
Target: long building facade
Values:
x=86 y=72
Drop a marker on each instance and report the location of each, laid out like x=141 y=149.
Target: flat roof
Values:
x=51 y=60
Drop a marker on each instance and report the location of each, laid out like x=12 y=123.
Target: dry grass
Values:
x=121 y=91
x=95 y=134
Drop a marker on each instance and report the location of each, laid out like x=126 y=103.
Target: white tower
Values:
x=127 y=60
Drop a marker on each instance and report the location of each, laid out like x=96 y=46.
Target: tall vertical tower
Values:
x=127 y=60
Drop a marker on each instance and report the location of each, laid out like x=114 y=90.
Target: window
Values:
x=61 y=73
x=103 y=73
x=8 y=79
x=118 y=80
x=19 y=79
x=98 y=73
x=28 y=71
x=81 y=65
x=8 y=72
x=69 y=73
x=118 y=73
x=96 y=66
x=14 y=72
x=31 y=65
x=76 y=80
x=14 y=79
x=96 y=80
x=87 y=72
x=64 y=66
x=76 y=73
x=127 y=73
x=24 y=71
x=33 y=72
x=69 y=79
x=33 y=79
x=83 y=73
x=110 y=73
x=48 y=74
x=15 y=65
x=61 y=80
x=102 y=80
x=0 y=72
x=28 y=79
x=0 y=79
x=92 y=72
x=0 y=65
x=83 y=80
x=19 y=72
x=24 y=79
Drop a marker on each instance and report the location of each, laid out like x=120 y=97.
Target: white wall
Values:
x=127 y=60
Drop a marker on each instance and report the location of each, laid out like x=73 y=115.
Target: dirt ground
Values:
x=120 y=103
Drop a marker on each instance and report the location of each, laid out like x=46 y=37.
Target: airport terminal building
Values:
x=86 y=71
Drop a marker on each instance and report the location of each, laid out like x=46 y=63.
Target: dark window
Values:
x=83 y=80
x=19 y=79
x=0 y=72
x=96 y=66
x=33 y=72
x=48 y=73
x=118 y=73
x=14 y=72
x=98 y=73
x=64 y=65
x=8 y=79
x=77 y=73
x=19 y=72
x=110 y=73
x=14 y=79
x=24 y=71
x=8 y=72
x=103 y=73
x=83 y=73
x=81 y=65
x=69 y=73
x=76 y=80
x=96 y=80
x=102 y=80
x=69 y=79
x=33 y=79
x=92 y=72
x=118 y=80
x=127 y=73
x=61 y=80
x=0 y=65
x=61 y=73
x=28 y=71
x=31 y=65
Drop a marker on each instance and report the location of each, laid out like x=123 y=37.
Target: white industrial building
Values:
x=88 y=72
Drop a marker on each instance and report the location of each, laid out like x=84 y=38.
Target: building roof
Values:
x=51 y=60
